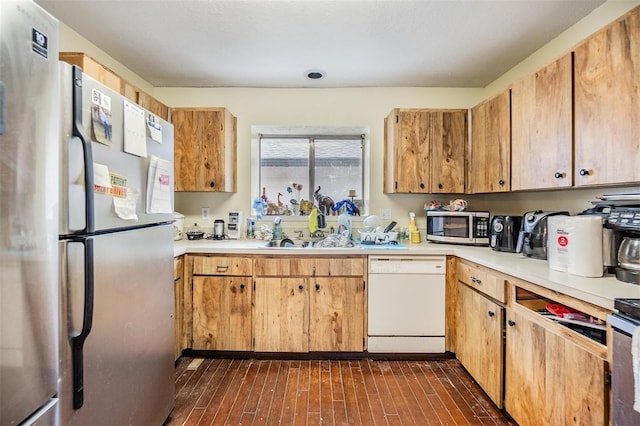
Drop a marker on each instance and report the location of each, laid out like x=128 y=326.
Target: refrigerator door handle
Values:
x=77 y=132
x=77 y=340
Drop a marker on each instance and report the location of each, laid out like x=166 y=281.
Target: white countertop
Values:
x=598 y=291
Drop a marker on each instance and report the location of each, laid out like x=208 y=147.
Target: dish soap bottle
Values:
x=412 y=222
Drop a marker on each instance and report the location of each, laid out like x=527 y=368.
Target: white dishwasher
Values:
x=406 y=304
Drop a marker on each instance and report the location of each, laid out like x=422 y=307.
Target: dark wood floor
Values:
x=337 y=392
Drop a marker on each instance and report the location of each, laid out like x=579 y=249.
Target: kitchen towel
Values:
x=635 y=359
x=575 y=245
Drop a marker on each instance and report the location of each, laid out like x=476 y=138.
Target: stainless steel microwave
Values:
x=458 y=227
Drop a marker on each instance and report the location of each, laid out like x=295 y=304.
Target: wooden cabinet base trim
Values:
x=316 y=355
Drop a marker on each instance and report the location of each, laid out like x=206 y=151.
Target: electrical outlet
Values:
x=385 y=213
x=206 y=212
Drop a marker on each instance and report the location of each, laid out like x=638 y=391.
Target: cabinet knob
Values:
x=421 y=185
x=558 y=175
x=511 y=323
x=440 y=186
x=585 y=172
x=317 y=287
x=212 y=184
x=242 y=286
x=491 y=313
x=301 y=287
x=501 y=182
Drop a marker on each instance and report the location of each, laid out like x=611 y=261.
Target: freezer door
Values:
x=127 y=357
x=127 y=173
x=28 y=210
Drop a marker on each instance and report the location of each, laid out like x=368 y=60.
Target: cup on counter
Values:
x=415 y=236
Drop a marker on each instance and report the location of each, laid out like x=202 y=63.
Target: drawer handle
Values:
x=476 y=280
x=511 y=323
x=222 y=268
x=491 y=313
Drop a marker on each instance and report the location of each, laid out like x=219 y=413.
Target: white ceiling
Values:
x=357 y=43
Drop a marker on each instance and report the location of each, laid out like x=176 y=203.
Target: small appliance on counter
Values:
x=620 y=239
x=178 y=226
x=532 y=239
x=218 y=229
x=234 y=229
x=458 y=227
x=504 y=233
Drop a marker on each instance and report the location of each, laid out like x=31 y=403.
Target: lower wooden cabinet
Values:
x=307 y=304
x=550 y=379
x=222 y=313
x=281 y=315
x=480 y=344
x=336 y=314
x=178 y=294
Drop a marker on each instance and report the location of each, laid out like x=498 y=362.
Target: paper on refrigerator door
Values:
x=135 y=133
x=159 y=186
x=125 y=208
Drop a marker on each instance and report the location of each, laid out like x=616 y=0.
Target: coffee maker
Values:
x=532 y=239
x=621 y=242
x=504 y=232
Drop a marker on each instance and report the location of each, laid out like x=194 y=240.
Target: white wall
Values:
x=361 y=107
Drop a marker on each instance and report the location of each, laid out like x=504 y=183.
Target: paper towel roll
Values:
x=575 y=245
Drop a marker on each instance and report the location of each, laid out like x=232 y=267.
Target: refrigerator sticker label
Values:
x=135 y=135
x=101 y=123
x=39 y=43
x=117 y=186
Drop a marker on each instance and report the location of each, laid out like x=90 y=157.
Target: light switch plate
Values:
x=385 y=213
x=206 y=212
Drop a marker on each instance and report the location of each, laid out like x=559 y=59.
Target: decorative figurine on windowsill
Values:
x=351 y=207
x=325 y=203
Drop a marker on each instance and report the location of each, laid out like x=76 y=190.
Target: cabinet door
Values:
x=222 y=313
x=489 y=163
x=152 y=104
x=541 y=125
x=336 y=314
x=407 y=152
x=281 y=315
x=525 y=378
x=479 y=340
x=448 y=142
x=607 y=104
x=578 y=376
x=204 y=150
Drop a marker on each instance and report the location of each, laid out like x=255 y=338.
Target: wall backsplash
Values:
x=513 y=203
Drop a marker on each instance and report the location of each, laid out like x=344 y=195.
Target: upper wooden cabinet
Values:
x=93 y=68
x=541 y=128
x=424 y=151
x=113 y=81
x=153 y=105
x=607 y=104
x=204 y=149
x=489 y=159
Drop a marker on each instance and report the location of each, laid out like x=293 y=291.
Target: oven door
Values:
x=622 y=377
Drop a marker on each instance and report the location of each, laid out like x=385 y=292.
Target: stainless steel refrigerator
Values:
x=86 y=241
x=29 y=310
x=116 y=258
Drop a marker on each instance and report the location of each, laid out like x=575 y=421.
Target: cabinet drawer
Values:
x=483 y=280
x=310 y=267
x=177 y=267
x=232 y=265
x=328 y=267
